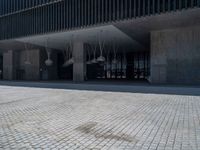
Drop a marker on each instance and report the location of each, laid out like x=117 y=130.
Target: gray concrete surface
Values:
x=175 y=55
x=79 y=66
x=50 y=118
x=31 y=71
x=8 y=73
x=14 y=61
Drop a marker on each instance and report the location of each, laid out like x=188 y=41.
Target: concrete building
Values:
x=154 y=40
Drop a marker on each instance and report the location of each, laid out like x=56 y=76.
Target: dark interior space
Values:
x=64 y=73
x=129 y=66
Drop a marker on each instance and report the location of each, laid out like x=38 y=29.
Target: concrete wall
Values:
x=8 y=65
x=14 y=66
x=32 y=70
x=79 y=66
x=175 y=56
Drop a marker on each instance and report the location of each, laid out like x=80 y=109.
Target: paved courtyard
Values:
x=47 y=118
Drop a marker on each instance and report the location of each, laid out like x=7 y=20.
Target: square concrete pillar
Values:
x=79 y=66
x=8 y=65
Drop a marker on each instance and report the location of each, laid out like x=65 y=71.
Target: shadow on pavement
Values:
x=111 y=87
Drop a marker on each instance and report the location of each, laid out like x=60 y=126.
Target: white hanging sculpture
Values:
x=101 y=58
x=69 y=59
x=66 y=56
x=94 y=60
x=124 y=59
x=114 y=61
x=107 y=56
x=68 y=62
x=27 y=61
x=89 y=60
x=48 y=62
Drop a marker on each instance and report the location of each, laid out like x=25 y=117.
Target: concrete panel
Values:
x=31 y=71
x=175 y=55
x=79 y=66
x=8 y=62
x=14 y=66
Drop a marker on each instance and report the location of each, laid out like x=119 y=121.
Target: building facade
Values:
x=156 y=40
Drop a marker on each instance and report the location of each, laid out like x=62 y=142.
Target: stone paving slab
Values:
x=36 y=118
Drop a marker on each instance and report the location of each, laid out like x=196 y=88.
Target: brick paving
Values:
x=36 y=118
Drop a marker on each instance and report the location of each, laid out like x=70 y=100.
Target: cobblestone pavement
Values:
x=34 y=118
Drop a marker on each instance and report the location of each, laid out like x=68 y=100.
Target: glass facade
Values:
x=19 y=18
x=132 y=65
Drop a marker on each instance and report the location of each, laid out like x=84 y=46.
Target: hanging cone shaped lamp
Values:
x=89 y=61
x=114 y=61
x=94 y=60
x=101 y=59
x=48 y=62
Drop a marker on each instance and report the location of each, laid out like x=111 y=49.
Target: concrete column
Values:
x=175 y=56
x=8 y=65
x=79 y=66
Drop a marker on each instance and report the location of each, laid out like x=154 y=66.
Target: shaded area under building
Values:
x=161 y=48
